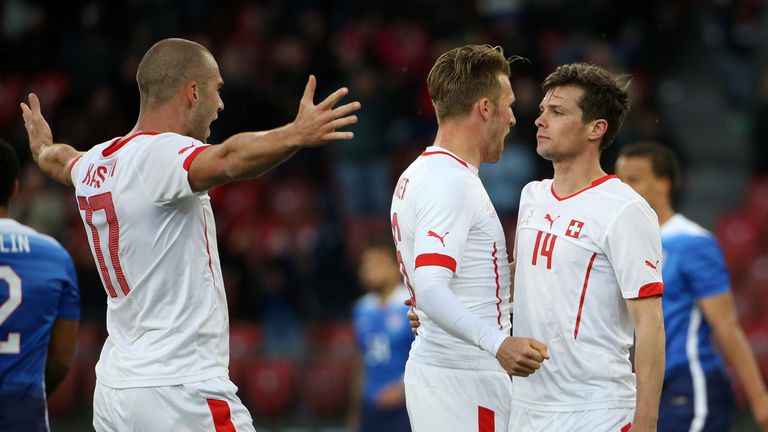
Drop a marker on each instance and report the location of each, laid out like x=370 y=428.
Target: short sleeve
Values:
x=704 y=267
x=69 y=302
x=164 y=171
x=633 y=248
x=74 y=169
x=443 y=218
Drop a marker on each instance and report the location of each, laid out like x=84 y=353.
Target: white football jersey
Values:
x=578 y=258
x=154 y=243
x=441 y=215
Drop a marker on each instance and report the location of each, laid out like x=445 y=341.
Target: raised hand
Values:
x=39 y=132
x=318 y=124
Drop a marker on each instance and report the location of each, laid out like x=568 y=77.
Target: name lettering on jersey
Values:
x=651 y=265
x=400 y=188
x=574 y=228
x=437 y=236
x=14 y=243
x=97 y=174
x=550 y=220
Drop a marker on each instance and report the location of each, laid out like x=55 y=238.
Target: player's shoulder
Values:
x=538 y=187
x=434 y=176
x=615 y=190
x=616 y=197
x=367 y=302
x=398 y=297
x=436 y=162
x=144 y=142
x=45 y=241
x=166 y=142
x=99 y=148
x=680 y=229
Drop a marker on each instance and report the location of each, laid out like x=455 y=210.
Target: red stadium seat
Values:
x=269 y=386
x=756 y=197
x=361 y=230
x=333 y=337
x=245 y=339
x=325 y=385
x=739 y=236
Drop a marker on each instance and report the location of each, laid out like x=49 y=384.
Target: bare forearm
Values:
x=649 y=369
x=251 y=154
x=739 y=355
x=54 y=160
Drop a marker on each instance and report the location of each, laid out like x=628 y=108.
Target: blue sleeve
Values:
x=69 y=303
x=704 y=267
x=356 y=311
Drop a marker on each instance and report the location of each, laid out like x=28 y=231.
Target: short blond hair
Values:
x=166 y=66
x=463 y=75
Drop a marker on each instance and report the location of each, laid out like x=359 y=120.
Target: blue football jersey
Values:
x=693 y=268
x=37 y=286
x=384 y=337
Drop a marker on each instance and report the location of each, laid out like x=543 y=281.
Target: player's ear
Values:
x=484 y=108
x=597 y=129
x=191 y=92
x=665 y=184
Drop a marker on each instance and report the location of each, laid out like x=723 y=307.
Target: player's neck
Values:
x=459 y=140
x=664 y=212
x=162 y=119
x=575 y=175
x=4 y=212
x=386 y=293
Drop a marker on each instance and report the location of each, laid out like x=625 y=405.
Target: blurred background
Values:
x=290 y=241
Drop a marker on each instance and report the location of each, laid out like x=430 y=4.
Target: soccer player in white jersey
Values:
x=452 y=253
x=587 y=254
x=144 y=202
x=698 y=304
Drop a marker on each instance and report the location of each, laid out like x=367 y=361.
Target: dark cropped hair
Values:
x=605 y=94
x=664 y=162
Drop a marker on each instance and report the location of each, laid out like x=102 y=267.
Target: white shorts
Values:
x=456 y=400
x=209 y=405
x=601 y=420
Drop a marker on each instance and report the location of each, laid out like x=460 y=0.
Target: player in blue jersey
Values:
x=384 y=338
x=697 y=394
x=39 y=313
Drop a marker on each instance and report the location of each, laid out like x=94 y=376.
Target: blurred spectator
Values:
x=384 y=338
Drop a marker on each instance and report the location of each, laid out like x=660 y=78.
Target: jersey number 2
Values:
x=103 y=202
x=13 y=344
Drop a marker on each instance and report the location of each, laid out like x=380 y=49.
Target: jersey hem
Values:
x=485 y=365
x=120 y=383
x=569 y=407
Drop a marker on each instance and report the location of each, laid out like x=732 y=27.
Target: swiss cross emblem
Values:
x=574 y=228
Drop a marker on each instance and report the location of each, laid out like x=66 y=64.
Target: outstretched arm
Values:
x=53 y=159
x=250 y=154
